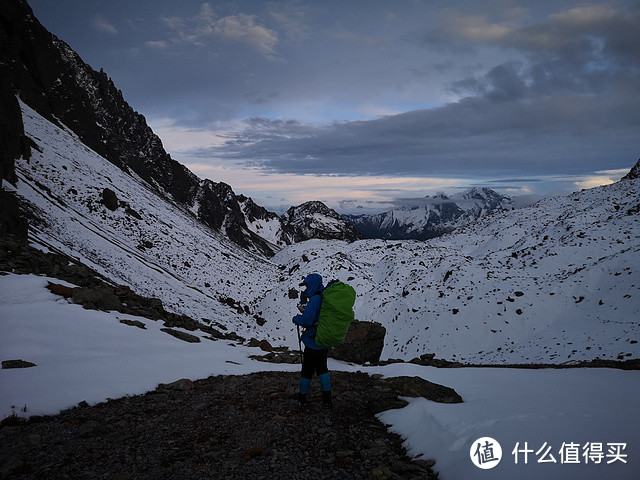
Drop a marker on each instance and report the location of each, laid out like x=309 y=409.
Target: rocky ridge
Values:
x=316 y=220
x=53 y=80
x=634 y=173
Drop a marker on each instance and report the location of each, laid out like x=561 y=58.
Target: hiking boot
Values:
x=326 y=400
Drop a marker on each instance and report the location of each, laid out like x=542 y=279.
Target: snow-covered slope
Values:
x=265 y=223
x=431 y=216
x=555 y=282
x=148 y=243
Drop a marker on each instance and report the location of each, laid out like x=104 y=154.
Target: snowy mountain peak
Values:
x=439 y=196
x=315 y=220
x=431 y=217
x=486 y=195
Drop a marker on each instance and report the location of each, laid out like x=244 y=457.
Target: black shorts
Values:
x=314 y=361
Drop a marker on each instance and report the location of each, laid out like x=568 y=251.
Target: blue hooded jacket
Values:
x=309 y=318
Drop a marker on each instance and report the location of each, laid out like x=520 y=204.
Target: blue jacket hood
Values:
x=314 y=285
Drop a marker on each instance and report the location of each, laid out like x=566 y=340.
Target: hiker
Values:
x=315 y=357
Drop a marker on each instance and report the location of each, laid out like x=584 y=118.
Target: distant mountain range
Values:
x=431 y=217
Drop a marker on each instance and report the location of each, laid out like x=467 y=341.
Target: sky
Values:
x=360 y=103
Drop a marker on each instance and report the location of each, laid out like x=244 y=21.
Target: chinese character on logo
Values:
x=526 y=451
x=485 y=453
x=570 y=453
x=547 y=453
x=592 y=452
x=615 y=452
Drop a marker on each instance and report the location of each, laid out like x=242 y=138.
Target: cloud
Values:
x=177 y=139
x=240 y=28
x=160 y=44
x=101 y=24
x=474 y=137
x=290 y=17
x=604 y=177
x=564 y=31
x=478 y=28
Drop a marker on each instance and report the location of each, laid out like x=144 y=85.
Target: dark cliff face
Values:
x=13 y=145
x=633 y=173
x=316 y=220
x=52 y=79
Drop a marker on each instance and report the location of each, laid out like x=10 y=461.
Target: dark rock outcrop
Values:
x=17 y=364
x=364 y=343
x=97 y=298
x=133 y=323
x=57 y=289
x=13 y=145
x=110 y=199
x=418 y=387
x=633 y=173
x=187 y=337
x=11 y=219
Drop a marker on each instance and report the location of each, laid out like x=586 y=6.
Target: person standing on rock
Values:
x=314 y=358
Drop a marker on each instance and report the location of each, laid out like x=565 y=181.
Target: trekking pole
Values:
x=299 y=343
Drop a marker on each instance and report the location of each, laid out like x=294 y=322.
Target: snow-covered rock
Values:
x=316 y=220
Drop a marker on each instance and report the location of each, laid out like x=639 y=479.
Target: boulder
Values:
x=110 y=199
x=418 y=387
x=101 y=298
x=57 y=289
x=179 y=385
x=133 y=323
x=17 y=364
x=187 y=337
x=364 y=343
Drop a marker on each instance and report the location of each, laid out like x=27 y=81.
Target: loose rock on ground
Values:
x=231 y=427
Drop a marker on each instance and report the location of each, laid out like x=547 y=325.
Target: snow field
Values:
x=88 y=355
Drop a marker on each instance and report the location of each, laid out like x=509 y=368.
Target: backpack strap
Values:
x=315 y=320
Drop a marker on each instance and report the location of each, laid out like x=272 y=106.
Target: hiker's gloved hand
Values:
x=301 y=308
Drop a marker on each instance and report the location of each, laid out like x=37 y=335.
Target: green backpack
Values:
x=336 y=314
